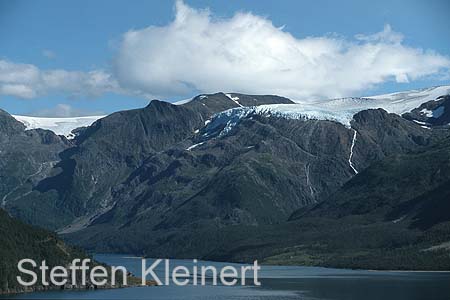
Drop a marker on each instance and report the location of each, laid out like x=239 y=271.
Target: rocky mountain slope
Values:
x=235 y=177
x=256 y=173
x=393 y=215
x=79 y=184
x=431 y=113
x=26 y=158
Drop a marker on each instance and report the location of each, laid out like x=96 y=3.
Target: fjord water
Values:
x=278 y=282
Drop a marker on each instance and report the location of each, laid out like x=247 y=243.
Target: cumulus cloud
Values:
x=200 y=53
x=28 y=81
x=247 y=53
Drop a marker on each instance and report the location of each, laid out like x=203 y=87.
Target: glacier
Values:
x=60 y=126
x=339 y=110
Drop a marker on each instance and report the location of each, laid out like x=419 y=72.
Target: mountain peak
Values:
x=9 y=124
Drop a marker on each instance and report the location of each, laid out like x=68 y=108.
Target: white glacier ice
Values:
x=60 y=126
x=338 y=110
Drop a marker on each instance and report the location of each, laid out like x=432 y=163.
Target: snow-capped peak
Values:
x=60 y=126
x=398 y=103
x=403 y=102
x=338 y=110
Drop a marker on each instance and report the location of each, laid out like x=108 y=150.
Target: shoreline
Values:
x=133 y=256
x=133 y=280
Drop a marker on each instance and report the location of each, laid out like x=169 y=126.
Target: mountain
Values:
x=249 y=171
x=394 y=214
x=103 y=155
x=26 y=158
x=237 y=177
x=403 y=102
x=207 y=104
x=394 y=187
x=432 y=113
x=210 y=104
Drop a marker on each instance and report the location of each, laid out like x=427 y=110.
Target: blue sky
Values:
x=80 y=37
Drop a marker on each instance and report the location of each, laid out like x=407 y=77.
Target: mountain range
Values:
x=353 y=182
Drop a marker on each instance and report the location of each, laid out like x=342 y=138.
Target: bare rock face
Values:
x=432 y=114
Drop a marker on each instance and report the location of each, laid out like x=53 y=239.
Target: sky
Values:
x=74 y=58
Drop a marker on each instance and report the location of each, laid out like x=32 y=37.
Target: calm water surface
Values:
x=281 y=283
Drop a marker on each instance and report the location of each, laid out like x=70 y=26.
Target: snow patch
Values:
x=194 y=146
x=420 y=122
x=437 y=113
x=427 y=112
x=399 y=219
x=181 y=102
x=234 y=99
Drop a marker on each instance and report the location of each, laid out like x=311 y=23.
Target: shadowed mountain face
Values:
x=255 y=174
x=26 y=157
x=107 y=152
x=394 y=214
x=394 y=188
x=184 y=181
x=82 y=174
x=432 y=113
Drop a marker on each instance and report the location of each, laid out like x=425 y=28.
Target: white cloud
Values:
x=247 y=53
x=28 y=81
x=200 y=53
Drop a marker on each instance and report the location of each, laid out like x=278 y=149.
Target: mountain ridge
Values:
x=157 y=180
x=419 y=97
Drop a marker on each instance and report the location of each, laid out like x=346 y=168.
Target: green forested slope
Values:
x=19 y=241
